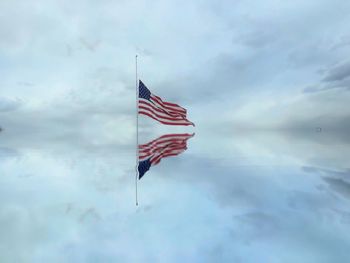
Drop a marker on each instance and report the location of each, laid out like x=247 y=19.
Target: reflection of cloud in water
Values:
x=304 y=148
x=338 y=185
x=8 y=153
x=337 y=180
x=258 y=225
x=249 y=188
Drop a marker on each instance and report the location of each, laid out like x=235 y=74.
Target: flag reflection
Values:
x=151 y=153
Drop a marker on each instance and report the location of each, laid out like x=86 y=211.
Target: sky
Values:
x=264 y=179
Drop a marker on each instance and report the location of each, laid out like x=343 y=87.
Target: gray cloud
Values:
x=90 y=45
x=7 y=104
x=334 y=129
x=343 y=42
x=86 y=130
x=336 y=77
x=322 y=171
x=337 y=73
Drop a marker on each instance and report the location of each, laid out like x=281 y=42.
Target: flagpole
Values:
x=137 y=132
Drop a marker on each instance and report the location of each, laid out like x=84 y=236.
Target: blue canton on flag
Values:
x=144 y=167
x=144 y=93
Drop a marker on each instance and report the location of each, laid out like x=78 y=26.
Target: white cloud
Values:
x=67 y=148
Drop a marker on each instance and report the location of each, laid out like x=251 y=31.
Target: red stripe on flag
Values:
x=159 y=113
x=173 y=109
x=159 y=109
x=184 y=122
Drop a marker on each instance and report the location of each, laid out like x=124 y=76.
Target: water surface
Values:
x=237 y=197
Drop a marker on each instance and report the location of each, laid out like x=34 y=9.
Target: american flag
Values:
x=159 y=110
x=167 y=145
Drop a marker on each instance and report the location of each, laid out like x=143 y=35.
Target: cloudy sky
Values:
x=265 y=178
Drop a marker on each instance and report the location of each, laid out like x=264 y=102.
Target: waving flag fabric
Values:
x=159 y=110
x=167 y=145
